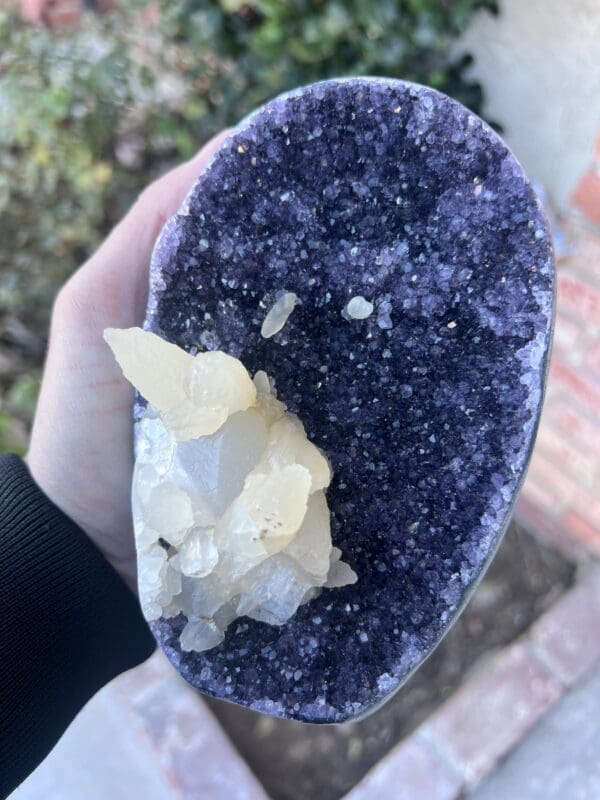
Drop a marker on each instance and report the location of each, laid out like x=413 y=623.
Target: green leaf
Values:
x=22 y=396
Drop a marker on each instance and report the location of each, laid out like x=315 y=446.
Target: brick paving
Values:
x=415 y=772
x=185 y=739
x=157 y=738
x=567 y=638
x=560 y=760
x=492 y=712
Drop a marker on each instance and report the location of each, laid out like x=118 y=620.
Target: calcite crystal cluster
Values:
x=229 y=506
x=415 y=355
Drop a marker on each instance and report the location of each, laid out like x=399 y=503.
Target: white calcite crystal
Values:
x=229 y=506
x=278 y=314
x=358 y=308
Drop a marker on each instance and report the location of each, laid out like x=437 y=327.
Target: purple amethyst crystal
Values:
x=427 y=408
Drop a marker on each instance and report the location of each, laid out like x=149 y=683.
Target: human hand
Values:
x=81 y=450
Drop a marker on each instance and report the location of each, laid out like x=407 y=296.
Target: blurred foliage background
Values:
x=89 y=114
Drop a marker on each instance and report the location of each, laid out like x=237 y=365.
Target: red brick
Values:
x=546 y=492
x=586 y=197
x=575 y=460
x=592 y=359
x=586 y=391
x=552 y=477
x=567 y=336
x=540 y=496
x=411 y=771
x=579 y=528
x=567 y=417
x=567 y=637
x=587 y=505
x=479 y=724
x=579 y=298
x=551 y=530
x=540 y=524
x=585 y=261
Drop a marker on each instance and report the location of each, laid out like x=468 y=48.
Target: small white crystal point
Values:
x=198 y=554
x=278 y=314
x=359 y=308
x=262 y=383
x=229 y=506
x=168 y=512
x=340 y=574
x=200 y=635
x=268 y=405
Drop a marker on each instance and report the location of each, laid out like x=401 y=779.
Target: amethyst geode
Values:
x=427 y=409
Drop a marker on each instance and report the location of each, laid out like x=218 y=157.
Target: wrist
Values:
x=60 y=484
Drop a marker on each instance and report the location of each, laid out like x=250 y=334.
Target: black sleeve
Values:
x=68 y=623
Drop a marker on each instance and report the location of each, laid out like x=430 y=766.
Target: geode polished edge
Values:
x=427 y=409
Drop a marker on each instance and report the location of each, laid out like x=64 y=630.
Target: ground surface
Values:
x=559 y=761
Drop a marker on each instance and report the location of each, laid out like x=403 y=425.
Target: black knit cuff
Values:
x=68 y=623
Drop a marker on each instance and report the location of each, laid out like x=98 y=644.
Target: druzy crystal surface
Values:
x=229 y=508
x=426 y=408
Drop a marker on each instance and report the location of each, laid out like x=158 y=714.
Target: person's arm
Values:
x=68 y=623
